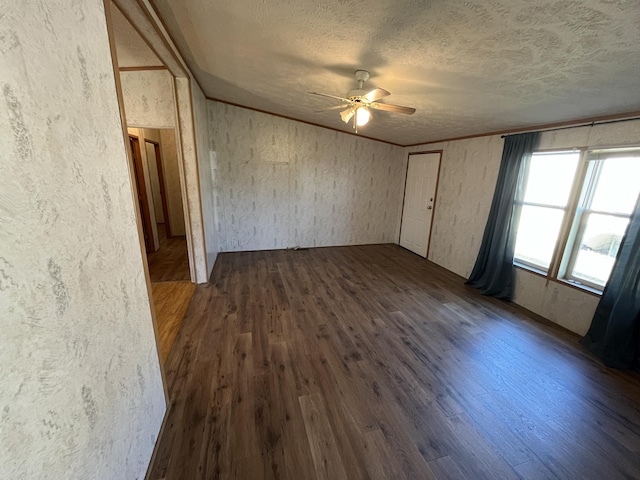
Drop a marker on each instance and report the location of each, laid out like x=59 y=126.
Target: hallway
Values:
x=171 y=287
x=171 y=261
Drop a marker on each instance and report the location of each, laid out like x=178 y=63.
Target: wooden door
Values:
x=147 y=229
x=419 y=201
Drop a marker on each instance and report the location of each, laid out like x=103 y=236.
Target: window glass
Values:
x=537 y=235
x=618 y=186
x=550 y=178
x=598 y=247
x=547 y=188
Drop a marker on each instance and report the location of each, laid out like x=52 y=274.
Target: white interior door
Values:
x=419 y=196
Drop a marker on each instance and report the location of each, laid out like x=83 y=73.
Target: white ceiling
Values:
x=468 y=67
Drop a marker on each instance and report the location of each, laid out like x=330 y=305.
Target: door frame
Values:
x=143 y=19
x=435 y=194
x=138 y=213
x=163 y=186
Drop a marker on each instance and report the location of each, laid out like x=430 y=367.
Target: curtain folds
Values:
x=614 y=335
x=493 y=271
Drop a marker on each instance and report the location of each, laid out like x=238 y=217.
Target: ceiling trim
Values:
x=582 y=122
x=422 y=152
x=302 y=121
x=137 y=69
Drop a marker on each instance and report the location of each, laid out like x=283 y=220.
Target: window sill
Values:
x=543 y=274
x=580 y=286
x=529 y=268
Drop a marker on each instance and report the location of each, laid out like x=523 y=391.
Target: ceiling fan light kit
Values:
x=358 y=103
x=363 y=115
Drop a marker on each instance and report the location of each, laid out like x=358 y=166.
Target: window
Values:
x=576 y=206
x=547 y=186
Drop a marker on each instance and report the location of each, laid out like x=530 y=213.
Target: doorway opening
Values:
x=167 y=255
x=160 y=195
x=148 y=96
x=170 y=262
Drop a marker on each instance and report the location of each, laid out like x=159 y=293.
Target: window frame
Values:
x=567 y=210
x=576 y=213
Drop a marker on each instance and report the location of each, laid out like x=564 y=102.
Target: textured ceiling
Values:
x=468 y=67
x=131 y=48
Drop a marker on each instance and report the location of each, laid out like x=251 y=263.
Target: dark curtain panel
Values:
x=493 y=271
x=615 y=329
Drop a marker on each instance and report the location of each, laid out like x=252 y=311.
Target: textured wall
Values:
x=81 y=394
x=188 y=128
x=281 y=183
x=467 y=181
x=206 y=173
x=148 y=98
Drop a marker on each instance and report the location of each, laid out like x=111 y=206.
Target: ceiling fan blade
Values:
x=330 y=96
x=346 y=115
x=337 y=107
x=387 y=107
x=376 y=94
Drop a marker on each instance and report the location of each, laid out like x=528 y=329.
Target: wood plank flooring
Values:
x=171 y=261
x=170 y=301
x=371 y=363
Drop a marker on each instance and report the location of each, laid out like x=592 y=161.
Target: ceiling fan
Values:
x=358 y=103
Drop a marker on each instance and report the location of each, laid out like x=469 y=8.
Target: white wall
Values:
x=467 y=181
x=281 y=183
x=148 y=98
x=206 y=175
x=81 y=393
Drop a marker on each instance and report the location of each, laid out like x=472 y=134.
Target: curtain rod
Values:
x=588 y=124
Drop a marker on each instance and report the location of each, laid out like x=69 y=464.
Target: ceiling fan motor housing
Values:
x=356 y=94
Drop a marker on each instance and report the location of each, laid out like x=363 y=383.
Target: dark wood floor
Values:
x=368 y=362
x=171 y=261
